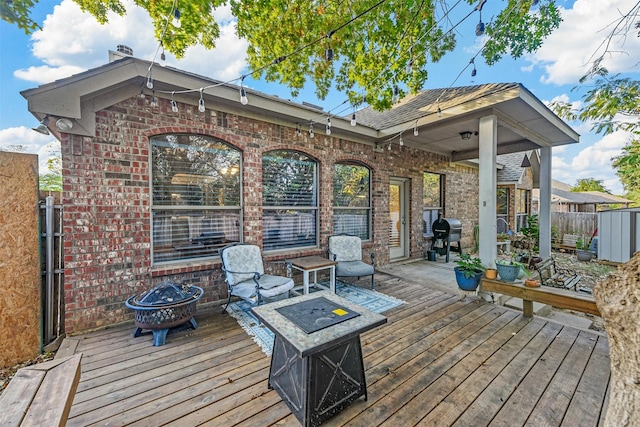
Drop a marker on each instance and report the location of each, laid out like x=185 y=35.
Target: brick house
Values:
x=154 y=184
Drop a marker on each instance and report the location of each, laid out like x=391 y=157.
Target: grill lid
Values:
x=166 y=293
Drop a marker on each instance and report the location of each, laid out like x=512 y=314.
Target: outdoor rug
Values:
x=372 y=300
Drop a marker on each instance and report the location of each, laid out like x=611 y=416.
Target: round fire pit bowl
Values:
x=164 y=307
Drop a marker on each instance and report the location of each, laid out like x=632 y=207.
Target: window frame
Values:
x=315 y=208
x=196 y=210
x=431 y=213
x=368 y=208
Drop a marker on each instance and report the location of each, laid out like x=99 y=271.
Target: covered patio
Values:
x=438 y=361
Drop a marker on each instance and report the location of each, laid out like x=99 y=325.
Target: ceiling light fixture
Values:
x=64 y=124
x=466 y=134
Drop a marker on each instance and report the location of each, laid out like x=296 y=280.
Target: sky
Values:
x=71 y=42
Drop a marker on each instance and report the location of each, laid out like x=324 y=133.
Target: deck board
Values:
x=439 y=361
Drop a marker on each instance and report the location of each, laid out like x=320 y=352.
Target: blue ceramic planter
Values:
x=507 y=272
x=467 y=283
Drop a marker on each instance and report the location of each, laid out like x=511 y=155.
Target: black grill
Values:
x=445 y=232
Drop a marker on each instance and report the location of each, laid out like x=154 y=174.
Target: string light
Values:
x=328 y=125
x=176 y=18
x=415 y=129
x=396 y=94
x=401 y=141
x=311 y=134
x=473 y=72
x=353 y=119
x=141 y=96
x=480 y=26
x=163 y=57
x=298 y=131
x=149 y=81
x=243 y=93
x=201 y=102
x=174 y=104
x=389 y=148
x=154 y=102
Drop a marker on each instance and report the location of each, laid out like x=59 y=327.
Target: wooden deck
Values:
x=439 y=361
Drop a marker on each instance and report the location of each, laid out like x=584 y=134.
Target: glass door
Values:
x=398 y=241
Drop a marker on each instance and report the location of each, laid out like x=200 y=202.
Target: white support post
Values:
x=488 y=150
x=544 y=214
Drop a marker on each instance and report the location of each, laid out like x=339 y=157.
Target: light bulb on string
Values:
x=311 y=134
x=328 y=54
x=176 y=18
x=474 y=71
x=480 y=26
x=243 y=93
x=389 y=148
x=154 y=102
x=201 y=107
x=396 y=94
x=149 y=81
x=353 y=119
x=328 y=125
x=142 y=95
x=174 y=104
x=401 y=141
x=163 y=57
x=439 y=112
x=415 y=129
x=298 y=131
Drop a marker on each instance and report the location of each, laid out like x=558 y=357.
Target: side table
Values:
x=313 y=264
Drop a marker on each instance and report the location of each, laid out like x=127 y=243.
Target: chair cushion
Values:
x=346 y=248
x=244 y=261
x=270 y=286
x=354 y=269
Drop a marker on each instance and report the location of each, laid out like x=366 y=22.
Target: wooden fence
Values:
x=579 y=223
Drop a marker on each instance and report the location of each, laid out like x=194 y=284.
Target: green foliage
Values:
x=52 y=180
x=590 y=184
x=390 y=43
x=468 y=265
x=627 y=167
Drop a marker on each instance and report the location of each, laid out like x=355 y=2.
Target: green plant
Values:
x=583 y=242
x=512 y=261
x=469 y=266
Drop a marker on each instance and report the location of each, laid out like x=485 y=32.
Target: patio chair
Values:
x=347 y=251
x=244 y=273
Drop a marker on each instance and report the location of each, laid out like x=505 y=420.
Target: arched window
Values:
x=196 y=203
x=289 y=200
x=352 y=200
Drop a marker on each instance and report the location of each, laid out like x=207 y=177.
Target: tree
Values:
x=52 y=180
x=371 y=49
x=590 y=184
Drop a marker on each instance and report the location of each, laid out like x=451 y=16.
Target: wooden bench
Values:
x=41 y=394
x=555 y=297
x=568 y=243
x=551 y=275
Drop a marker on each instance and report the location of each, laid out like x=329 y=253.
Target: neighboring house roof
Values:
x=512 y=169
x=586 y=197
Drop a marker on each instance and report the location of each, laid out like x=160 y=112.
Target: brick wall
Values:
x=107 y=201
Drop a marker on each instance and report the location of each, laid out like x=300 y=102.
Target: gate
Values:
x=52 y=268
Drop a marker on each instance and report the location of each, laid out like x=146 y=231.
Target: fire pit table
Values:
x=165 y=307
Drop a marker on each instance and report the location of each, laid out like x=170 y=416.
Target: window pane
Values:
x=351 y=185
x=352 y=200
x=196 y=196
x=432 y=190
x=192 y=170
x=288 y=228
x=184 y=234
x=289 y=198
x=351 y=221
x=288 y=179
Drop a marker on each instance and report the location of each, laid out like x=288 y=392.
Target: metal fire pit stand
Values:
x=318 y=374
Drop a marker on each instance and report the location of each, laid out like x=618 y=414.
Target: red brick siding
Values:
x=107 y=201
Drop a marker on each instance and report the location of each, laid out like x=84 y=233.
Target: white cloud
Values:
x=592 y=162
x=567 y=53
x=72 y=41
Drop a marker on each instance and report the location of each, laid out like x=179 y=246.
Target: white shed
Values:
x=618 y=234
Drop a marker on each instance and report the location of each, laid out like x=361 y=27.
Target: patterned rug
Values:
x=372 y=300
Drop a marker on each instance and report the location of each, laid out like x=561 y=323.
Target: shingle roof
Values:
x=413 y=107
x=512 y=170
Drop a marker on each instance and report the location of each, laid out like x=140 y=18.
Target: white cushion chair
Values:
x=244 y=273
x=347 y=251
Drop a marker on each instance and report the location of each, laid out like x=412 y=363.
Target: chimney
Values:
x=122 y=51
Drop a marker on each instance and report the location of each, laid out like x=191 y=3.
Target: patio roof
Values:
x=524 y=122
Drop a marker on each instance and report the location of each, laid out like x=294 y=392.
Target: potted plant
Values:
x=468 y=272
x=509 y=270
x=582 y=249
